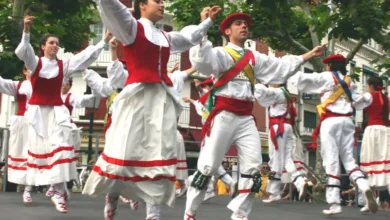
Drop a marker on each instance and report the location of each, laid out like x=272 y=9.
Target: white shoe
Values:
x=27 y=197
x=183 y=191
x=371 y=203
x=333 y=210
x=50 y=192
x=272 y=198
x=134 y=205
x=238 y=217
x=110 y=207
x=209 y=195
x=365 y=209
x=59 y=203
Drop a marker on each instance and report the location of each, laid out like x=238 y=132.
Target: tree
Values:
x=70 y=20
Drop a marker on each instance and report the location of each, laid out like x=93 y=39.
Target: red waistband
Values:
x=236 y=106
x=327 y=115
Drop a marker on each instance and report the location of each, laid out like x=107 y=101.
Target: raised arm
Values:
x=362 y=101
x=268 y=96
x=206 y=59
x=118 y=19
x=85 y=58
x=101 y=86
x=8 y=87
x=315 y=83
x=274 y=70
x=192 y=35
x=81 y=101
x=24 y=51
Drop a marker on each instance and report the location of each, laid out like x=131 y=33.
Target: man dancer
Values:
x=231 y=118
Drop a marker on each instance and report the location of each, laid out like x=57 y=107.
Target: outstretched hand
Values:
x=28 y=21
x=113 y=43
x=318 y=50
x=108 y=36
x=210 y=12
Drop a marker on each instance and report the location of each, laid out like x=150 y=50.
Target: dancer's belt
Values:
x=238 y=107
x=280 y=121
x=328 y=114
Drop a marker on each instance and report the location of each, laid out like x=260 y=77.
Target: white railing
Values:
x=105 y=58
x=305 y=129
x=77 y=112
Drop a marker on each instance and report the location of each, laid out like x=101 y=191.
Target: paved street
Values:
x=86 y=208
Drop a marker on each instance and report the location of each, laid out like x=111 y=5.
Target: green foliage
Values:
x=295 y=26
x=70 y=20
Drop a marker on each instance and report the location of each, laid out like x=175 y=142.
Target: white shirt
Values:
x=323 y=83
x=216 y=60
x=273 y=98
x=50 y=70
x=79 y=101
x=123 y=26
x=10 y=87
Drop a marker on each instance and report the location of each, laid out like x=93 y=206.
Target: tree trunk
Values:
x=17 y=13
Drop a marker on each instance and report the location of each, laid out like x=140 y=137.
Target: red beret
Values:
x=334 y=58
x=231 y=18
x=208 y=81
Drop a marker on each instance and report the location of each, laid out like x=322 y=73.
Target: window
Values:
x=309 y=119
x=100 y=32
x=367 y=73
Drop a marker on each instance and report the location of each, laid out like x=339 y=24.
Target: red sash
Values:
x=226 y=77
x=238 y=107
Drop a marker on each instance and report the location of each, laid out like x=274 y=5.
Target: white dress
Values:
x=51 y=158
x=375 y=148
x=140 y=157
x=17 y=148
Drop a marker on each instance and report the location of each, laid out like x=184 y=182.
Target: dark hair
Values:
x=70 y=82
x=377 y=84
x=43 y=41
x=137 y=9
x=338 y=66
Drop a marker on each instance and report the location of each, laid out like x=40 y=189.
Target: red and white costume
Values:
x=51 y=157
x=142 y=168
x=336 y=136
x=280 y=139
x=375 y=150
x=17 y=150
x=233 y=125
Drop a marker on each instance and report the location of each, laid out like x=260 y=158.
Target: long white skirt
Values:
x=140 y=156
x=17 y=151
x=181 y=169
x=76 y=139
x=375 y=155
x=51 y=159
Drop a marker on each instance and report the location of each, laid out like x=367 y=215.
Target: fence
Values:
x=4 y=140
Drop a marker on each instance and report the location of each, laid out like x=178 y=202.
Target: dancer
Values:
x=51 y=158
x=143 y=169
x=17 y=150
x=281 y=117
x=231 y=116
x=375 y=149
x=336 y=128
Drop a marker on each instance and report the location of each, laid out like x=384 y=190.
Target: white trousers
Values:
x=227 y=129
x=337 y=143
x=281 y=159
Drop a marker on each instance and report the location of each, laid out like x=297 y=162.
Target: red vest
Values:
x=375 y=110
x=21 y=99
x=143 y=60
x=67 y=103
x=47 y=91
